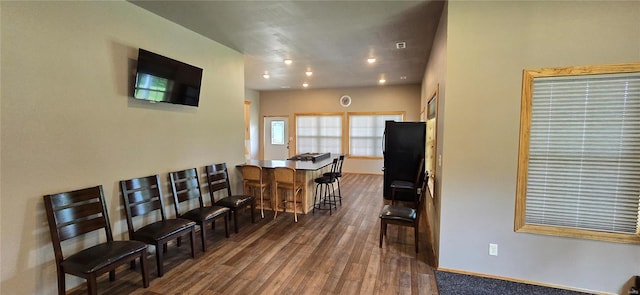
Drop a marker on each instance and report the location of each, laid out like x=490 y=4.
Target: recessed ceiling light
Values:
x=266 y=75
x=382 y=81
x=305 y=84
x=403 y=77
x=308 y=73
x=371 y=60
x=288 y=61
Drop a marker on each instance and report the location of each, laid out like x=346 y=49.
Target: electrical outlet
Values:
x=493 y=249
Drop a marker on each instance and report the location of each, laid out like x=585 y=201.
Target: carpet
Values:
x=460 y=284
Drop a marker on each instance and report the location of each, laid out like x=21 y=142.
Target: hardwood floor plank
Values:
x=320 y=254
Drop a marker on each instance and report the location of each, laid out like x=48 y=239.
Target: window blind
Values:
x=584 y=152
x=365 y=133
x=319 y=134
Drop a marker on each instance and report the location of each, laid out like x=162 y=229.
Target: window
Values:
x=366 y=131
x=319 y=133
x=277 y=132
x=579 y=157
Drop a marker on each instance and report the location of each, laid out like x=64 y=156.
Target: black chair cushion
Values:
x=235 y=201
x=205 y=213
x=401 y=184
x=333 y=174
x=398 y=213
x=324 y=179
x=156 y=231
x=91 y=259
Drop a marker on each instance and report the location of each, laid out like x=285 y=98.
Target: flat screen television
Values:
x=162 y=79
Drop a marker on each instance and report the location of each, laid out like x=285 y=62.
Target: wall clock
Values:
x=345 y=101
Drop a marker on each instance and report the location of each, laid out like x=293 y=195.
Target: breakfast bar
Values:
x=307 y=169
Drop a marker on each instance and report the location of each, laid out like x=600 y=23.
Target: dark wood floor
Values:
x=320 y=254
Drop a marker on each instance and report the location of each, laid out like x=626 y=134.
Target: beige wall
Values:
x=67 y=122
x=488 y=46
x=435 y=78
x=364 y=99
x=254 y=129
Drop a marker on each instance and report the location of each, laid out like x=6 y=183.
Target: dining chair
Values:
x=218 y=182
x=76 y=213
x=408 y=187
x=405 y=216
x=287 y=185
x=185 y=186
x=142 y=197
x=253 y=180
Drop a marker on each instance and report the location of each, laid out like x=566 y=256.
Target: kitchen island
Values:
x=306 y=172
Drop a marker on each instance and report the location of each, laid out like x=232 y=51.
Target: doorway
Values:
x=276 y=138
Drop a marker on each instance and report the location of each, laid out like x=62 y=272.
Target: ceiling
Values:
x=333 y=39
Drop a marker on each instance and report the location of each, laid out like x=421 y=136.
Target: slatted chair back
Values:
x=185 y=186
x=218 y=178
x=142 y=196
x=76 y=213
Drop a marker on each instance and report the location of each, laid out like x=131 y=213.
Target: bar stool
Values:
x=336 y=172
x=252 y=181
x=285 y=182
x=325 y=182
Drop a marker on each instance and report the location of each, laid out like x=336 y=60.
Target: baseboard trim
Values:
x=464 y=272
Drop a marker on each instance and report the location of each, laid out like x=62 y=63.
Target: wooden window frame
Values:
x=348 y=130
x=295 y=127
x=520 y=224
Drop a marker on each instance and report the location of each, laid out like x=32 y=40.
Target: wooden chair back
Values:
x=218 y=179
x=420 y=174
x=285 y=177
x=285 y=181
x=185 y=186
x=141 y=196
x=252 y=173
x=75 y=213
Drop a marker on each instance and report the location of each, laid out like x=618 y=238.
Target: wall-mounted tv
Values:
x=162 y=79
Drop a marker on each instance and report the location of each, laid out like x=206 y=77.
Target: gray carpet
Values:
x=460 y=284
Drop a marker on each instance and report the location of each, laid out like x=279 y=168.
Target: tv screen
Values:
x=162 y=79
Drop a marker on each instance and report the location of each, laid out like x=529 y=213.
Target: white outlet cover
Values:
x=493 y=249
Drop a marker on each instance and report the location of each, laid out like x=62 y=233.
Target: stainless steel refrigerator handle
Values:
x=384 y=136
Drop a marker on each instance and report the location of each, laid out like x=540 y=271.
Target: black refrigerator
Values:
x=403 y=149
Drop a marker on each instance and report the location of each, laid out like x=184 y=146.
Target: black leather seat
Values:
x=390 y=212
x=79 y=212
x=185 y=185
x=143 y=196
x=405 y=216
x=218 y=181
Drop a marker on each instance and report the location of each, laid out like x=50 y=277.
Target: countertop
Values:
x=298 y=165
